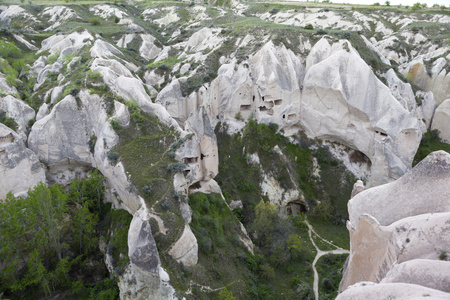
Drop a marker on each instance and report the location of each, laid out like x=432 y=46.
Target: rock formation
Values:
x=441 y=120
x=407 y=222
x=20 y=168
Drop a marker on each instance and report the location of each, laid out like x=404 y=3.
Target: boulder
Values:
x=434 y=274
x=185 y=250
x=419 y=237
x=400 y=90
x=403 y=221
x=66 y=44
x=179 y=107
x=426 y=109
x=436 y=80
x=148 y=49
x=142 y=248
x=21 y=112
x=371 y=291
x=103 y=49
x=358 y=187
x=424 y=189
x=5 y=88
x=20 y=168
x=441 y=121
x=42 y=112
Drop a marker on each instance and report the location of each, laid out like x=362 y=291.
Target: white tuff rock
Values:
x=441 y=120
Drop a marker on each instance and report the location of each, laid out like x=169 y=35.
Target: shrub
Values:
x=147 y=190
x=10 y=122
x=9 y=50
x=176 y=167
x=52 y=58
x=94 y=75
x=443 y=255
x=74 y=91
x=94 y=21
x=321 y=32
x=114 y=123
x=274 y=10
x=113 y=157
x=226 y=294
x=92 y=142
x=309 y=27
x=116 y=19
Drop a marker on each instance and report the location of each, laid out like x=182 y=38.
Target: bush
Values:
x=147 y=190
x=321 y=32
x=74 y=91
x=113 y=157
x=94 y=21
x=309 y=27
x=10 y=122
x=176 y=167
x=92 y=142
x=274 y=10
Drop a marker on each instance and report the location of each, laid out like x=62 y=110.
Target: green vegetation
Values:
x=283 y=243
x=430 y=142
x=281 y=262
x=10 y=122
x=50 y=242
x=330 y=269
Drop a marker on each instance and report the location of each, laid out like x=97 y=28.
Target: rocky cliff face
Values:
x=408 y=227
x=154 y=85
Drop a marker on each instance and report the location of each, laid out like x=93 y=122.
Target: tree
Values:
x=47 y=209
x=83 y=230
x=416 y=6
x=226 y=294
x=294 y=245
x=265 y=215
x=388 y=3
x=35 y=233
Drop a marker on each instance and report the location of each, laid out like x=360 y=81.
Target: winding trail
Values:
x=319 y=254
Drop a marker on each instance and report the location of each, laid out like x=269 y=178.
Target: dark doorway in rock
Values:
x=296 y=208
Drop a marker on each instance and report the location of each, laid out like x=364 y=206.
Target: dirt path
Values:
x=319 y=254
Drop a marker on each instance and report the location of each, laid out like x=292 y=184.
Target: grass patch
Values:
x=337 y=234
x=168 y=62
x=430 y=142
x=321 y=244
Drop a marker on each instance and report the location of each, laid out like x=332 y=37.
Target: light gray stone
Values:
x=370 y=291
x=441 y=121
x=185 y=250
x=20 y=168
x=434 y=274
x=424 y=189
